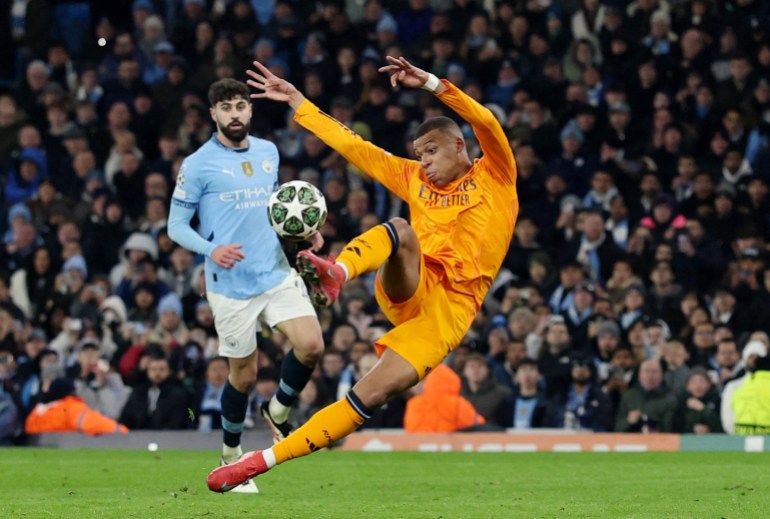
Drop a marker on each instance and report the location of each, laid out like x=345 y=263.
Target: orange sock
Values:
x=328 y=425
x=369 y=250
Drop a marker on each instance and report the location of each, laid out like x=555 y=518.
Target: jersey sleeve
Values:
x=492 y=139
x=184 y=202
x=391 y=171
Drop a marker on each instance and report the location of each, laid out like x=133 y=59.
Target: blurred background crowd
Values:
x=636 y=292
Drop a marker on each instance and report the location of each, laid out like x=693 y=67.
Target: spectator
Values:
x=527 y=406
x=100 y=388
x=698 y=406
x=677 y=371
x=583 y=406
x=486 y=395
x=554 y=360
x=649 y=406
x=158 y=403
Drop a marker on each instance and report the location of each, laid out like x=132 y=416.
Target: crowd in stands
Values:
x=635 y=296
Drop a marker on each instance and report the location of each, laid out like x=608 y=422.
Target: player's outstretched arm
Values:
x=272 y=87
x=370 y=159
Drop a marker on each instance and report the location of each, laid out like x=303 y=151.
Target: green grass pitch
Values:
x=169 y=484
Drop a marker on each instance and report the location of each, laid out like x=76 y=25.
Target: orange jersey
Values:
x=465 y=227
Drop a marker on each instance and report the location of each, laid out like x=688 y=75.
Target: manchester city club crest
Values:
x=267 y=167
x=248 y=169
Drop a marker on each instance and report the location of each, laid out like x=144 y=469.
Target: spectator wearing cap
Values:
x=649 y=406
x=752 y=351
x=593 y=248
x=573 y=162
x=100 y=388
x=34 y=342
x=501 y=91
x=150 y=30
x=583 y=406
x=162 y=54
x=699 y=405
x=171 y=326
x=74 y=274
x=608 y=340
x=578 y=314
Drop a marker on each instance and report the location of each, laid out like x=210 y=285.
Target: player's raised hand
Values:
x=226 y=256
x=404 y=73
x=272 y=87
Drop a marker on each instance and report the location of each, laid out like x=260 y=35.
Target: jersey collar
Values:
x=228 y=148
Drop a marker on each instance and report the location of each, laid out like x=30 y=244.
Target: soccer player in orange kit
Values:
x=433 y=274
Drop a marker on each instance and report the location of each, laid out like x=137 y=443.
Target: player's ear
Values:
x=459 y=144
x=213 y=112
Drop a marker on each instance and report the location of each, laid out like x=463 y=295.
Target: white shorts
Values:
x=237 y=321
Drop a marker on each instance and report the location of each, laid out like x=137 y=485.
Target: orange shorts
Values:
x=430 y=324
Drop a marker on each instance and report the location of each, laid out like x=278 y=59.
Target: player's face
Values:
x=233 y=118
x=439 y=153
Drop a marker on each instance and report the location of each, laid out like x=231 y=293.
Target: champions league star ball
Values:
x=296 y=210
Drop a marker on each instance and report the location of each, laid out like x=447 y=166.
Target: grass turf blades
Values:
x=124 y=484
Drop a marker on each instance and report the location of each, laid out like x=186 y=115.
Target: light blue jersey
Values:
x=230 y=190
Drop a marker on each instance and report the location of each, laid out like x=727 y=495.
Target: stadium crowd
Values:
x=635 y=296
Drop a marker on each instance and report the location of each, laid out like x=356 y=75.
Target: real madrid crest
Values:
x=267 y=167
x=248 y=169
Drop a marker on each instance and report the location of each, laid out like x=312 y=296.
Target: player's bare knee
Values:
x=407 y=239
x=244 y=379
x=378 y=396
x=309 y=350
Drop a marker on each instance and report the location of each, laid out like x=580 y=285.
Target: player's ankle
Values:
x=342 y=270
x=278 y=412
x=269 y=456
x=231 y=454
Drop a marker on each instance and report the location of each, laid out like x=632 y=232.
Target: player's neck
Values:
x=238 y=145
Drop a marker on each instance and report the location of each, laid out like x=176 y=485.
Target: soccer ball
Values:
x=296 y=210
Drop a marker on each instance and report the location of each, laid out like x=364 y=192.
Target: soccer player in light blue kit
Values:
x=228 y=181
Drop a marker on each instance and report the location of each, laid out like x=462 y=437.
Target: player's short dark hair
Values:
x=444 y=124
x=227 y=89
